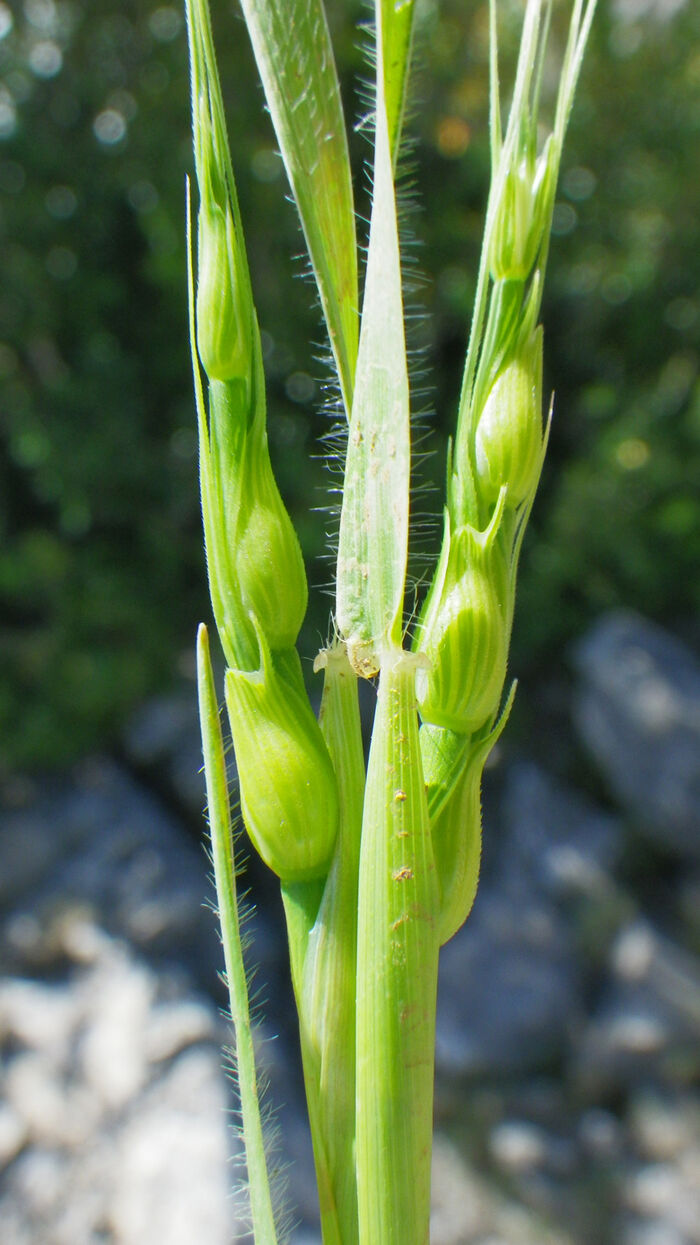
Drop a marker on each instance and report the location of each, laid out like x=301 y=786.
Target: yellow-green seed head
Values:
x=508 y=443
x=464 y=631
x=266 y=558
x=522 y=212
x=288 y=788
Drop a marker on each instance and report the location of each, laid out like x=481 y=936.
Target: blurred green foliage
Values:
x=101 y=576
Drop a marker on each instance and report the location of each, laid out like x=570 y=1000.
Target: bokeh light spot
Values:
x=109 y=127
x=632 y=454
x=452 y=137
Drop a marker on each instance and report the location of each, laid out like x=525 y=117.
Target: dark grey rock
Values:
x=508 y=991
x=600 y=1135
x=163 y=738
x=638 y=711
x=97 y=841
x=688 y=905
x=557 y=846
x=157 y=727
x=510 y=981
x=556 y=841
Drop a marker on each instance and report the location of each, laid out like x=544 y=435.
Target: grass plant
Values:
x=378 y=863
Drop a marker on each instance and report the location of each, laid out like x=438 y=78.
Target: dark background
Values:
x=101 y=569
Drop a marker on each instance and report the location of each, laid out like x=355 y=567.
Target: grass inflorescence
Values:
x=378 y=861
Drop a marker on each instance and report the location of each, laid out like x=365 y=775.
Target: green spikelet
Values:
x=508 y=447
x=225 y=316
x=464 y=630
x=289 y=796
x=253 y=554
x=522 y=214
x=269 y=566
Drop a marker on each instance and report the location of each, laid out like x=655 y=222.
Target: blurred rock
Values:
x=650 y=1232
x=508 y=990
x=113 y=1102
x=96 y=843
x=638 y=711
x=172 y=1180
x=647 y=1023
x=163 y=739
x=660 y=1189
x=664 y=1126
x=518 y=1145
x=555 y=840
x=600 y=1135
x=468 y=1210
x=556 y=844
x=114 y=1121
x=688 y=906
x=458 y=1212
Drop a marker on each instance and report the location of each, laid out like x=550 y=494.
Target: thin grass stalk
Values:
x=396 y=973
x=330 y=971
x=301 y=904
x=221 y=833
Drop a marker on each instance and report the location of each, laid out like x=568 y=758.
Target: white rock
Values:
x=13 y=1133
x=41 y=1017
x=117 y=997
x=170 y=1160
x=54 y=1113
x=173 y=1026
x=517 y=1145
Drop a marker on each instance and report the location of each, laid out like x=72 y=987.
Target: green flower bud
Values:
x=225 y=325
x=254 y=559
x=464 y=630
x=523 y=211
x=225 y=317
x=266 y=557
x=508 y=443
x=288 y=787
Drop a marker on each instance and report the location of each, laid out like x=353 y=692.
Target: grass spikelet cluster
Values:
x=378 y=863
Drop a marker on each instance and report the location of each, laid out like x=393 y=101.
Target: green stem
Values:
x=331 y=966
x=225 y=877
x=396 y=974
x=301 y=903
x=324 y=942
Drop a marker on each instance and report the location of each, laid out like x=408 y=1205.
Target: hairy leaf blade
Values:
x=373 y=542
x=295 y=60
x=394 y=37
